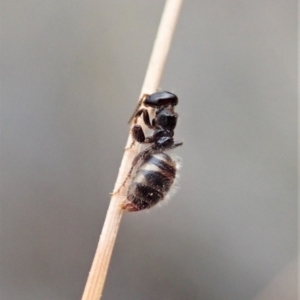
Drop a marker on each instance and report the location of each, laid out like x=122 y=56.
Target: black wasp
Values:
x=153 y=172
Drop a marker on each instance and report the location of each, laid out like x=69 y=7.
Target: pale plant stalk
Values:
x=96 y=279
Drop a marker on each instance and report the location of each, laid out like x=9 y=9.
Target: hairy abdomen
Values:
x=151 y=182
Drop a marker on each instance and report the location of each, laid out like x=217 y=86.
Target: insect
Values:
x=153 y=172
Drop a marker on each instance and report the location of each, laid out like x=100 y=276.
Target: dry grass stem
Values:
x=96 y=279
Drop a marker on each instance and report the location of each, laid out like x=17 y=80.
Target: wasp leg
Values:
x=176 y=145
x=146 y=118
x=134 y=163
x=139 y=136
x=138 y=107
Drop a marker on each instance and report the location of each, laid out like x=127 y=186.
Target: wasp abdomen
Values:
x=151 y=182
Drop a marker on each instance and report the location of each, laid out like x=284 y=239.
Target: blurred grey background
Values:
x=71 y=74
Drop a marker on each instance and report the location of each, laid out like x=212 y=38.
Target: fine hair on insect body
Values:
x=153 y=171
